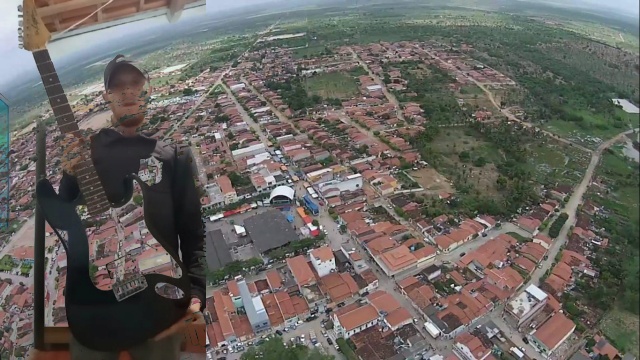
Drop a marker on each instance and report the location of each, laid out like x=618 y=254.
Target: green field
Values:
x=594 y=129
x=6 y=263
x=309 y=51
x=332 y=85
x=165 y=80
x=624 y=190
x=553 y=162
x=621 y=328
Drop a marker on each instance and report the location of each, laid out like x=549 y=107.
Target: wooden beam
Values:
x=141 y=6
x=194 y=337
x=100 y=15
x=175 y=9
x=67 y=6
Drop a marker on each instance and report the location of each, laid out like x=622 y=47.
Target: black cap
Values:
x=116 y=64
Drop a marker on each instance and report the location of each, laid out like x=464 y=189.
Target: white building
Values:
x=335 y=187
x=527 y=304
x=323 y=260
x=248 y=151
x=237 y=87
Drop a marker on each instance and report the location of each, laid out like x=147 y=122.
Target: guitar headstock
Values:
x=32 y=33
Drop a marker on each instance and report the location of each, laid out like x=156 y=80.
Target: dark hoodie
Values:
x=173 y=204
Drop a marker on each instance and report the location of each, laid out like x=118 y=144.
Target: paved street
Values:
x=246 y=117
x=274 y=110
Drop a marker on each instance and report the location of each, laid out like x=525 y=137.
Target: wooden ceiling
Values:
x=59 y=15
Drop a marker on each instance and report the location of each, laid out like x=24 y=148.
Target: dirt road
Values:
x=390 y=97
x=506 y=112
x=572 y=206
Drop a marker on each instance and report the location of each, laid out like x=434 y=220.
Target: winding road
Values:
x=506 y=112
x=572 y=205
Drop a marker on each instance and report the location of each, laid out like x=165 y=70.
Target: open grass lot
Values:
x=431 y=180
x=594 y=129
x=454 y=141
x=624 y=196
x=308 y=51
x=6 y=263
x=553 y=162
x=165 y=80
x=332 y=85
x=621 y=328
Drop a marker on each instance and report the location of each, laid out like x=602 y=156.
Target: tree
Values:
x=93 y=269
x=138 y=199
x=188 y=91
x=274 y=349
x=315 y=223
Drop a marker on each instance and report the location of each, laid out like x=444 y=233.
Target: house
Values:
x=227 y=189
x=323 y=260
x=551 y=334
x=470 y=347
x=353 y=319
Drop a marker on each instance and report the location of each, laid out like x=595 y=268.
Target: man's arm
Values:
x=189 y=222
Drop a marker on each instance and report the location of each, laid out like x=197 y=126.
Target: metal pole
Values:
x=39 y=248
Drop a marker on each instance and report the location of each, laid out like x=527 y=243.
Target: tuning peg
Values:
x=19 y=8
x=20 y=23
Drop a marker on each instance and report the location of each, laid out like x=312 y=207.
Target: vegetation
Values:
x=346 y=349
x=335 y=85
x=296 y=247
x=232 y=269
x=520 y=238
x=512 y=185
x=294 y=94
x=438 y=103
x=238 y=180
x=556 y=226
x=7 y=263
x=274 y=349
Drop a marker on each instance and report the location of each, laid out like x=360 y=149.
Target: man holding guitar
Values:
x=118 y=151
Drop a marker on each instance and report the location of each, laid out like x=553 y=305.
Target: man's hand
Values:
x=193 y=315
x=75 y=149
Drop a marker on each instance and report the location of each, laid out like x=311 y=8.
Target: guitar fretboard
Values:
x=90 y=185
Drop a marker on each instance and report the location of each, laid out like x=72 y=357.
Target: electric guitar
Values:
x=135 y=288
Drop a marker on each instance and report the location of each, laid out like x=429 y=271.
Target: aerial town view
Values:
x=383 y=181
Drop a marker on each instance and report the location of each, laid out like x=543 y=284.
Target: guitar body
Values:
x=136 y=286
x=97 y=319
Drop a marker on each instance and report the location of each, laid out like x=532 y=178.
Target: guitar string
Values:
x=85 y=19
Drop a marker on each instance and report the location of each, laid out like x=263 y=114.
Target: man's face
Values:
x=127 y=97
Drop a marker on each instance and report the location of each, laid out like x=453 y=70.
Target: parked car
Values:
x=279 y=332
x=329 y=341
x=463 y=254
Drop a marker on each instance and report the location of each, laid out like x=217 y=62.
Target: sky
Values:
x=15 y=62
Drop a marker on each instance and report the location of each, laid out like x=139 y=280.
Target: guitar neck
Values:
x=88 y=180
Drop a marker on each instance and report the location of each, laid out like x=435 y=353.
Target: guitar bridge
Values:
x=126 y=282
x=130 y=287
